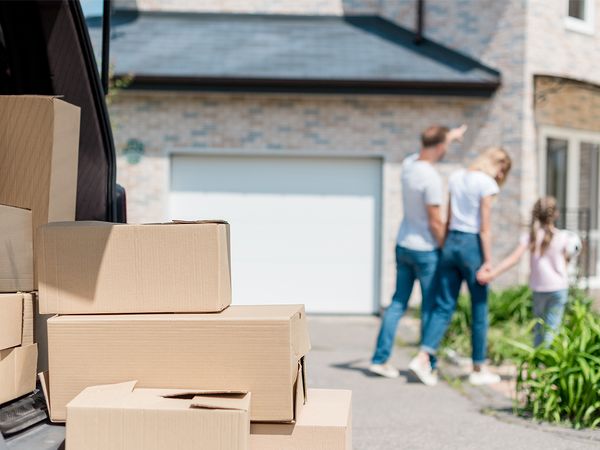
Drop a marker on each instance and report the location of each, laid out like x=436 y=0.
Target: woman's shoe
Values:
x=422 y=370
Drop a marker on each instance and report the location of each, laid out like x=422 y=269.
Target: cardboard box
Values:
x=28 y=336
x=325 y=423
x=11 y=320
x=255 y=349
x=99 y=267
x=39 y=152
x=16 y=249
x=16 y=320
x=17 y=372
x=119 y=416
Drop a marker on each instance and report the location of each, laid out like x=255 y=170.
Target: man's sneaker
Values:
x=483 y=377
x=423 y=371
x=384 y=370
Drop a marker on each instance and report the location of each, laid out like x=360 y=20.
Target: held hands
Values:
x=484 y=274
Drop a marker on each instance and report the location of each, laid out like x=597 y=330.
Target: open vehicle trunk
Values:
x=45 y=49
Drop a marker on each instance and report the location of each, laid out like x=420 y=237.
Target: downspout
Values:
x=420 y=25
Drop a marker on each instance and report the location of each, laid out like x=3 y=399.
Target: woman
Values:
x=466 y=251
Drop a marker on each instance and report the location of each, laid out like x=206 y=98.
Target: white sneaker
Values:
x=384 y=370
x=423 y=372
x=483 y=377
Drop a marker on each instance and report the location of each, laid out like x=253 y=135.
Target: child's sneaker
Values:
x=384 y=370
x=483 y=377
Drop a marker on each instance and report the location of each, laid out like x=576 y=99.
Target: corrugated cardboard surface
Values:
x=28 y=337
x=16 y=249
x=11 y=320
x=98 y=267
x=119 y=416
x=325 y=423
x=39 y=151
x=17 y=372
x=253 y=349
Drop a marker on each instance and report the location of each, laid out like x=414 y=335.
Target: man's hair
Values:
x=434 y=135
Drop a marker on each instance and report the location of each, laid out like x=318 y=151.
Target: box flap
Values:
x=11 y=320
x=16 y=249
x=236 y=402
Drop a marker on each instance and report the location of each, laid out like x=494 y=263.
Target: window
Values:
x=570 y=172
x=580 y=16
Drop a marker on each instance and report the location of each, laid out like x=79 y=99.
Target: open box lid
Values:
x=126 y=396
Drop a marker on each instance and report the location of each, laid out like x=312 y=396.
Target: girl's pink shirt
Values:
x=548 y=271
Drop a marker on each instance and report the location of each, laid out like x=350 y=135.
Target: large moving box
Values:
x=16 y=249
x=118 y=416
x=255 y=349
x=16 y=320
x=17 y=372
x=39 y=151
x=98 y=267
x=325 y=423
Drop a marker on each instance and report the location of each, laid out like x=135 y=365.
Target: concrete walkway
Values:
x=403 y=414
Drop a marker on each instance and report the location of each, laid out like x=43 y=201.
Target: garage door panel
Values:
x=303 y=230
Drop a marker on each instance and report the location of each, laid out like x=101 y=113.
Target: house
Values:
x=291 y=119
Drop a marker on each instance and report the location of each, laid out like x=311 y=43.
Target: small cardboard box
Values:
x=257 y=349
x=39 y=153
x=119 y=416
x=325 y=423
x=17 y=372
x=99 y=267
x=16 y=249
x=11 y=320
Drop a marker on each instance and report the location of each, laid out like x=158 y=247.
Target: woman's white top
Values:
x=467 y=188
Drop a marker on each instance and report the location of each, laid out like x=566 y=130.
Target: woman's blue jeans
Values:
x=411 y=265
x=460 y=260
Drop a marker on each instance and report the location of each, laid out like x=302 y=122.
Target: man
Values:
x=420 y=236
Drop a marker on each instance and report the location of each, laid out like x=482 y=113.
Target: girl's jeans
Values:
x=460 y=260
x=548 y=306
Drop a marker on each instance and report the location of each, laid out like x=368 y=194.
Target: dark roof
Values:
x=274 y=52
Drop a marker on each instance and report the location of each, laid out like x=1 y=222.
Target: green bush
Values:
x=561 y=382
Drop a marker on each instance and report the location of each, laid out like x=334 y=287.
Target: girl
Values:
x=549 y=279
x=466 y=251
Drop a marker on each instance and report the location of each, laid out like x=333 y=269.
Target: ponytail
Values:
x=543 y=216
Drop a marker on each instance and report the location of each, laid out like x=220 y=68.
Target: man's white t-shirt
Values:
x=421 y=187
x=467 y=188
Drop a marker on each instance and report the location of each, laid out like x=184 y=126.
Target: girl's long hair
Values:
x=543 y=215
x=495 y=162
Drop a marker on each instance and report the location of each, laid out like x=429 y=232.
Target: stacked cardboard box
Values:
x=151 y=303
x=39 y=144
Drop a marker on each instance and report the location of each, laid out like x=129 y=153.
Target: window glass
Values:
x=577 y=9
x=556 y=174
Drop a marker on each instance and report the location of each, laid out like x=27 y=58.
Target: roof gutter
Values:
x=317 y=86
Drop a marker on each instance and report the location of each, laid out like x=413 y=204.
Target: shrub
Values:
x=561 y=382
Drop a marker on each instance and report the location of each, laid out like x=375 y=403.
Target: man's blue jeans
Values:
x=411 y=265
x=460 y=260
x=548 y=306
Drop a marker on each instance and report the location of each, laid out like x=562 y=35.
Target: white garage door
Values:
x=303 y=230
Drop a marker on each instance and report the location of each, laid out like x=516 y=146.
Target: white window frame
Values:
x=574 y=139
x=587 y=24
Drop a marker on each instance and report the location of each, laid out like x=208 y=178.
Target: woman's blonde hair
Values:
x=495 y=162
x=543 y=215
